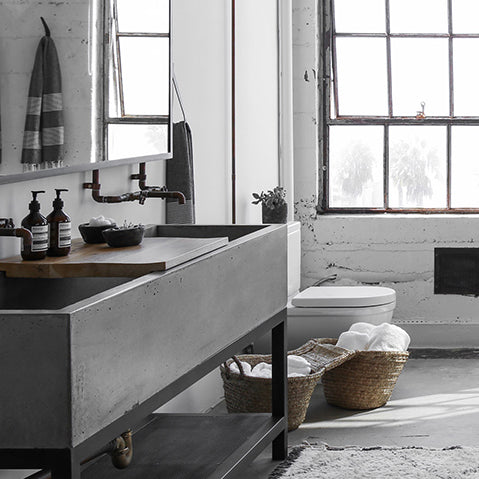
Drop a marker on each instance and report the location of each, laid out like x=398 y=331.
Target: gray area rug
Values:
x=317 y=461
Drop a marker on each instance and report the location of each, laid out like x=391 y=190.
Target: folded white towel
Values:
x=262 y=373
x=388 y=337
x=362 y=327
x=297 y=366
x=353 y=340
x=246 y=367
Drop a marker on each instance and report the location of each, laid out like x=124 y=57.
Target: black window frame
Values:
x=327 y=62
x=111 y=49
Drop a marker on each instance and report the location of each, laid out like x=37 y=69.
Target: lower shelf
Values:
x=195 y=446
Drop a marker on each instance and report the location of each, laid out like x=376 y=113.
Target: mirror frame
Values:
x=99 y=126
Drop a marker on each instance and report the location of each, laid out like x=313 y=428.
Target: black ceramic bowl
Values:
x=93 y=234
x=118 y=237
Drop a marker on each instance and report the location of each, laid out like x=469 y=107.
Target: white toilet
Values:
x=327 y=311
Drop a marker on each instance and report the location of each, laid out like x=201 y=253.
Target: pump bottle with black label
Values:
x=59 y=229
x=38 y=225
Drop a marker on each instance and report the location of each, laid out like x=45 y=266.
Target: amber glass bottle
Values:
x=38 y=225
x=60 y=229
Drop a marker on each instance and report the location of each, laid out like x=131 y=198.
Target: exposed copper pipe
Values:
x=122 y=455
x=8 y=229
x=233 y=111
x=140 y=196
x=120 y=451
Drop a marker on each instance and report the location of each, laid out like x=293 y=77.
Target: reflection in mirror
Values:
x=115 y=87
x=137 y=97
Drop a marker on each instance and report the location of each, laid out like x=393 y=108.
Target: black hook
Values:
x=47 y=30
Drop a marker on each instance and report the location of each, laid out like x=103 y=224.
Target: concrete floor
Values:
x=435 y=404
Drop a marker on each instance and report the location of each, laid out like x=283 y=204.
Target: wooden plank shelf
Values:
x=101 y=260
x=193 y=446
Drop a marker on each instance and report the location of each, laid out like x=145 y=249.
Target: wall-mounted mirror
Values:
x=115 y=61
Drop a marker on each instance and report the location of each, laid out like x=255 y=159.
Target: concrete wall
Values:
x=396 y=251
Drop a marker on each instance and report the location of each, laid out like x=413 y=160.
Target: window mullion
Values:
x=451 y=59
x=118 y=51
x=451 y=101
x=448 y=188
x=388 y=59
x=325 y=74
x=334 y=57
x=386 y=166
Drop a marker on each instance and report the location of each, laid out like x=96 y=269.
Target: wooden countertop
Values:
x=153 y=254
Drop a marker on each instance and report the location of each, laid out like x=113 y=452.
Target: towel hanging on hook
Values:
x=47 y=30
x=179 y=169
x=43 y=140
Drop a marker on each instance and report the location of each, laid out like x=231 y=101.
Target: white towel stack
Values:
x=367 y=337
x=297 y=366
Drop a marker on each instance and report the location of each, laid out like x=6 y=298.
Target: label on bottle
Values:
x=64 y=234
x=40 y=238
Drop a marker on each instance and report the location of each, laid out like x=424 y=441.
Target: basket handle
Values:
x=238 y=363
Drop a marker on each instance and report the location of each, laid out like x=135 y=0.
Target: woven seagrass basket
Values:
x=247 y=394
x=366 y=381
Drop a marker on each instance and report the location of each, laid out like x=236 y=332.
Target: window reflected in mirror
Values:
x=137 y=98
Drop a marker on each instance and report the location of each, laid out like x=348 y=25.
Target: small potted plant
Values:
x=274 y=206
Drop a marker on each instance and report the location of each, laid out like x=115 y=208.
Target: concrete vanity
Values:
x=81 y=354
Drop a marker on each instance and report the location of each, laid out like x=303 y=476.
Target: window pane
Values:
x=143 y=16
x=128 y=141
x=465 y=14
x=418 y=16
x=360 y=16
x=145 y=75
x=417 y=166
x=465 y=167
x=362 y=76
x=466 y=77
x=356 y=166
x=420 y=73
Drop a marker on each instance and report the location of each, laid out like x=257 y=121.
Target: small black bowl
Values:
x=118 y=237
x=93 y=234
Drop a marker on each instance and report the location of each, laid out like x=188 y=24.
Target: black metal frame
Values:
x=111 y=5
x=66 y=463
x=328 y=68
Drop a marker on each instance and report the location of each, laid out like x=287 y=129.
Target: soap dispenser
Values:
x=38 y=225
x=60 y=229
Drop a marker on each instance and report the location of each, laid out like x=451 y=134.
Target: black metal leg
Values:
x=280 y=386
x=66 y=467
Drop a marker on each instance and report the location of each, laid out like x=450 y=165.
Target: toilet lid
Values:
x=343 y=296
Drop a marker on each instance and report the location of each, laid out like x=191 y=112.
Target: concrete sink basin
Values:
x=78 y=354
x=51 y=294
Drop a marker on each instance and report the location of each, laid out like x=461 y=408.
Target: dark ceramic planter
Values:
x=275 y=215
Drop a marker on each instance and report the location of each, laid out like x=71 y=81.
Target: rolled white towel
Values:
x=100 y=221
x=366 y=328
x=353 y=340
x=246 y=367
x=388 y=337
x=296 y=375
x=298 y=364
x=262 y=370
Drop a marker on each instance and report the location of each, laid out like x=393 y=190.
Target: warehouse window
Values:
x=400 y=109
x=136 y=106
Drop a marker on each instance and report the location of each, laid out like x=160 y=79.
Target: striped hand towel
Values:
x=43 y=139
